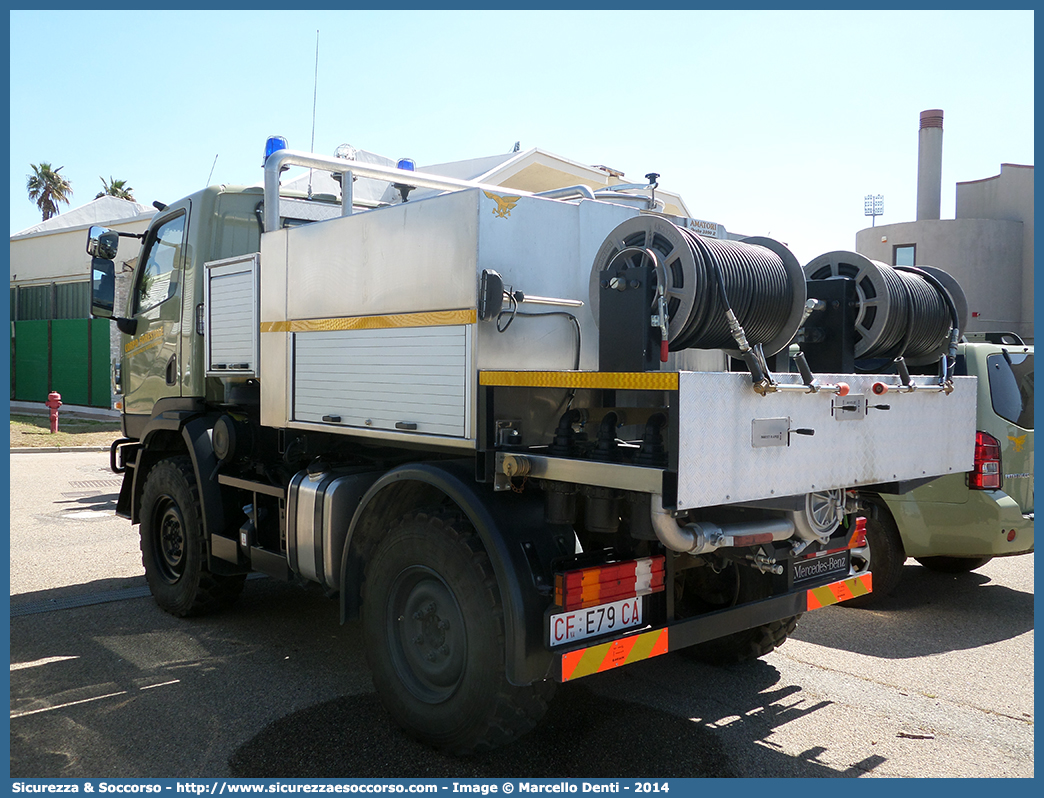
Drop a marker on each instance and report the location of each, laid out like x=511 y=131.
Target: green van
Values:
x=959 y=522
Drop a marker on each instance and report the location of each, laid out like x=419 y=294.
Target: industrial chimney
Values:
x=929 y=165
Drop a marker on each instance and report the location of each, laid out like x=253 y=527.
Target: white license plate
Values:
x=568 y=627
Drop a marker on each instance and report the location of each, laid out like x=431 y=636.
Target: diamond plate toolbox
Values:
x=736 y=445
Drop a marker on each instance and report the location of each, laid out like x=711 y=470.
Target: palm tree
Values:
x=47 y=188
x=116 y=188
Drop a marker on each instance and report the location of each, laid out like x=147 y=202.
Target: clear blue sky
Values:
x=771 y=123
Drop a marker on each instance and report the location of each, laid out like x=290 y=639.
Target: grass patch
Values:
x=35 y=432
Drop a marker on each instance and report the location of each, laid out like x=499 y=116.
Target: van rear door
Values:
x=1010 y=375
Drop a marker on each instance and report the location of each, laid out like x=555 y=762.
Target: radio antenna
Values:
x=315 y=91
x=211 y=171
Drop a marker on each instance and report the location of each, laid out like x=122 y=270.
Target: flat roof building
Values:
x=987 y=247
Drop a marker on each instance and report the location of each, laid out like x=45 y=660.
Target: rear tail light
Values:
x=986 y=475
x=602 y=584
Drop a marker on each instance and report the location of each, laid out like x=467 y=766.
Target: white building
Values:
x=50 y=267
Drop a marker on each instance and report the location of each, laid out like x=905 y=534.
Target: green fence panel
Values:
x=79 y=361
x=72 y=300
x=35 y=302
x=69 y=360
x=30 y=372
x=101 y=390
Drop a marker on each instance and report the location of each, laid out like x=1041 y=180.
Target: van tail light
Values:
x=986 y=475
x=858 y=538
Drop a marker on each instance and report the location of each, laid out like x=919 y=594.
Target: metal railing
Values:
x=281 y=159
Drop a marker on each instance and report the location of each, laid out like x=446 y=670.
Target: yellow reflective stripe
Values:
x=576 y=664
x=437 y=318
x=826 y=595
x=618 y=380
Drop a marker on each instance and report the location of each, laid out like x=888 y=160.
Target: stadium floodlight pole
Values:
x=873 y=205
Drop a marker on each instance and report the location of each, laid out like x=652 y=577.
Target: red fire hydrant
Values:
x=54 y=401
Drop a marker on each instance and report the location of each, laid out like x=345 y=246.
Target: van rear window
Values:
x=1011 y=386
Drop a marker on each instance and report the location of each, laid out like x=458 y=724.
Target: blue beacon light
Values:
x=274 y=144
x=407 y=165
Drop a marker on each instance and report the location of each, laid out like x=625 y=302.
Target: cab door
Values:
x=151 y=368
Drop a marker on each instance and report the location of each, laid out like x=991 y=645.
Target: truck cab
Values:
x=162 y=343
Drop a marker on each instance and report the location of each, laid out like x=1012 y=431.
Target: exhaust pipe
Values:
x=701 y=537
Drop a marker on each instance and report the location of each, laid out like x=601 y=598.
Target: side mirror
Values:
x=103 y=287
x=102 y=243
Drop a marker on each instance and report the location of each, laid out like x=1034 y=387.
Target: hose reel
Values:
x=761 y=279
x=900 y=311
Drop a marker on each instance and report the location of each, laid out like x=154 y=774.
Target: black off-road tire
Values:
x=433 y=624
x=887 y=555
x=173 y=550
x=953 y=565
x=746 y=645
x=750 y=643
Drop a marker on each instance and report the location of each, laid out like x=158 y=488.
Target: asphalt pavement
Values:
x=937 y=681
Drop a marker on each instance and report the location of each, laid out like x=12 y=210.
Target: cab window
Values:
x=158 y=278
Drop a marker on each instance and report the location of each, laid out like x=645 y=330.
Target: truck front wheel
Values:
x=173 y=550
x=433 y=623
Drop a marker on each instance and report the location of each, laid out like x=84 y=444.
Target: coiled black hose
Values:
x=702 y=279
x=901 y=311
x=918 y=320
x=749 y=278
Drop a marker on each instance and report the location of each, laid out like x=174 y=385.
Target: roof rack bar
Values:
x=280 y=159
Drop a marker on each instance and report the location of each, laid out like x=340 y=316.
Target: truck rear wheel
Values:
x=433 y=623
x=706 y=591
x=746 y=645
x=173 y=550
x=953 y=565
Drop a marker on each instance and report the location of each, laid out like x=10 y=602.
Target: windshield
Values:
x=1011 y=386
